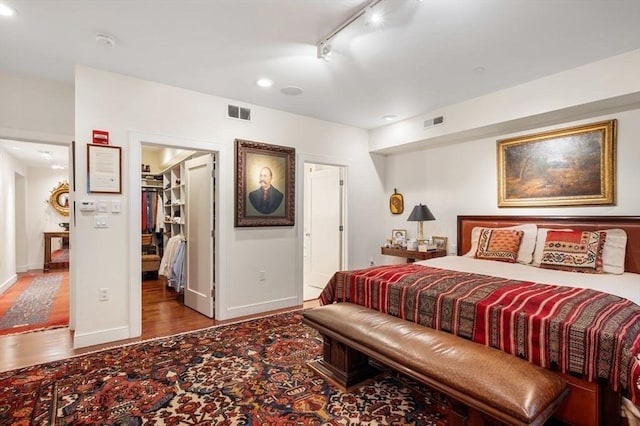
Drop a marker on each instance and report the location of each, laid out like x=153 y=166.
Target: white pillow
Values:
x=615 y=246
x=527 y=244
x=613 y=251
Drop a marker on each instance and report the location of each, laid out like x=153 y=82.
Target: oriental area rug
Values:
x=35 y=302
x=249 y=373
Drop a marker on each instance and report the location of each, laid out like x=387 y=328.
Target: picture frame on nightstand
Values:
x=399 y=237
x=440 y=243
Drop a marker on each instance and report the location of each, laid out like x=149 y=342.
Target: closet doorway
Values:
x=323 y=225
x=183 y=228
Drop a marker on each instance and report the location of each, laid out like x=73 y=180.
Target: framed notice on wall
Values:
x=104 y=169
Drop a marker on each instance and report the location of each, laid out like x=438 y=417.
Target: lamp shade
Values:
x=421 y=213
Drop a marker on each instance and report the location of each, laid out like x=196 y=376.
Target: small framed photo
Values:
x=440 y=242
x=399 y=237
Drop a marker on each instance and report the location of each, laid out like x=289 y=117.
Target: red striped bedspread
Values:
x=572 y=330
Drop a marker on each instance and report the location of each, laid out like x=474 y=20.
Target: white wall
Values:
x=35 y=109
x=32 y=109
x=587 y=91
x=461 y=179
x=8 y=169
x=453 y=167
x=40 y=215
x=27 y=208
x=122 y=105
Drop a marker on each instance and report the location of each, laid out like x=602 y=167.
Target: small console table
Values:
x=412 y=255
x=48 y=264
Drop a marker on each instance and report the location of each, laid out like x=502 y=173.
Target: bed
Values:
x=584 y=326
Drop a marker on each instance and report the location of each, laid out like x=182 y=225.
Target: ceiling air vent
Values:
x=433 y=121
x=234 y=111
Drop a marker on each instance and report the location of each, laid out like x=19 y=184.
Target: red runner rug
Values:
x=249 y=373
x=35 y=302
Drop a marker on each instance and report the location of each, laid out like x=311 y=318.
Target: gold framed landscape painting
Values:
x=567 y=167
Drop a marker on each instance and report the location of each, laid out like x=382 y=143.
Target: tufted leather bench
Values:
x=482 y=381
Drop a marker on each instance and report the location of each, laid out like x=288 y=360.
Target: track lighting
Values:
x=324 y=51
x=324 y=46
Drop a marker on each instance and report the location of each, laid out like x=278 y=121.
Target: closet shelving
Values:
x=151 y=181
x=174 y=199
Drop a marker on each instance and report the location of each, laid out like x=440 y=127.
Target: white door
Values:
x=199 y=280
x=323 y=234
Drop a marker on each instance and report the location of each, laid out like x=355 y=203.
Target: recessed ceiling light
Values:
x=105 y=39
x=7 y=11
x=57 y=167
x=264 y=82
x=390 y=117
x=291 y=90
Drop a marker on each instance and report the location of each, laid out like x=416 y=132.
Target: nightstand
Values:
x=412 y=255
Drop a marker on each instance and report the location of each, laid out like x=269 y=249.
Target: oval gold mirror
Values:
x=59 y=198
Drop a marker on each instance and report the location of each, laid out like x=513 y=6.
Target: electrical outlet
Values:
x=454 y=249
x=103 y=294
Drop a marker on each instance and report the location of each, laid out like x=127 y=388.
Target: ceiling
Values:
x=425 y=55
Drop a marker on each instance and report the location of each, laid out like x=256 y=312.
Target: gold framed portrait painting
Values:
x=265 y=184
x=568 y=167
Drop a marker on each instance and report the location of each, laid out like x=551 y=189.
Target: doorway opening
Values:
x=324 y=201
x=38 y=265
x=178 y=228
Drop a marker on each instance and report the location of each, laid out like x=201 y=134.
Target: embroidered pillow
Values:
x=540 y=240
x=527 y=244
x=575 y=251
x=499 y=244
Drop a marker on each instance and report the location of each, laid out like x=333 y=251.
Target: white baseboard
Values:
x=81 y=340
x=258 y=308
x=8 y=283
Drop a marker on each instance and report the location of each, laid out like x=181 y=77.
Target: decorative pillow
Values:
x=575 y=251
x=527 y=244
x=540 y=240
x=499 y=244
x=613 y=252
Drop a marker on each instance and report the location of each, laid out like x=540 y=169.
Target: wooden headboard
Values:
x=631 y=224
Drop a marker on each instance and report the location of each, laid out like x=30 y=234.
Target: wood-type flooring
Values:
x=162 y=315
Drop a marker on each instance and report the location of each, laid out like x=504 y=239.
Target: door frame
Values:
x=223 y=183
x=328 y=161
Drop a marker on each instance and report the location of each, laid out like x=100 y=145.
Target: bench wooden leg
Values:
x=343 y=365
x=461 y=415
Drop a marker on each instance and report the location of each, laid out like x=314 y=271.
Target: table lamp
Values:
x=419 y=214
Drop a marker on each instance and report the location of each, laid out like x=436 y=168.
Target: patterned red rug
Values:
x=251 y=373
x=35 y=302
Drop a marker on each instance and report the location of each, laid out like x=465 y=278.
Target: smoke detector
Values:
x=105 y=39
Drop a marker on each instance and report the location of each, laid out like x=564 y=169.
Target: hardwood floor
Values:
x=162 y=315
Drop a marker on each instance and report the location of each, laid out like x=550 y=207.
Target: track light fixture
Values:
x=324 y=46
x=324 y=50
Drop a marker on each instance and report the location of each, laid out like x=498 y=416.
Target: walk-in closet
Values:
x=177 y=223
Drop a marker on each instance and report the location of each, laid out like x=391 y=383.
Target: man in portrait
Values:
x=267 y=198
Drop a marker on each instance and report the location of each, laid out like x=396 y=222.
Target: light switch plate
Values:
x=100 y=221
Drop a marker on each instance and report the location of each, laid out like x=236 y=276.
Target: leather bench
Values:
x=485 y=384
